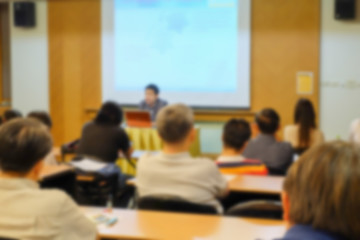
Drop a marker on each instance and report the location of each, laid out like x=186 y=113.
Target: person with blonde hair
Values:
x=174 y=172
x=321 y=198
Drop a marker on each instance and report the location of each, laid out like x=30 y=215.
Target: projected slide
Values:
x=181 y=45
x=196 y=51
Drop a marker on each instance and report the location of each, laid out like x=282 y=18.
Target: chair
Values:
x=97 y=190
x=276 y=172
x=65 y=181
x=69 y=148
x=6 y=238
x=257 y=209
x=300 y=151
x=173 y=204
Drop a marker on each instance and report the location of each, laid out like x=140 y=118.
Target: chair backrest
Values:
x=173 y=204
x=97 y=191
x=300 y=151
x=257 y=209
x=65 y=181
x=276 y=172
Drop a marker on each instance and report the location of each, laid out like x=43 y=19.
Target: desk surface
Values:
x=133 y=224
x=52 y=170
x=257 y=184
x=249 y=183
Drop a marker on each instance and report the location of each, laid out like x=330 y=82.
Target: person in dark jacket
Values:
x=103 y=138
x=276 y=155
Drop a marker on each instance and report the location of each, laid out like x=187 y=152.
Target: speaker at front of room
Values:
x=24 y=14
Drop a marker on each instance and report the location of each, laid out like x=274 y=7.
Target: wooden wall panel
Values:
x=75 y=64
x=1 y=53
x=285 y=39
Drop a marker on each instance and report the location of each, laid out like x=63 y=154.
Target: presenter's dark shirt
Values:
x=153 y=109
x=277 y=156
x=103 y=141
x=305 y=232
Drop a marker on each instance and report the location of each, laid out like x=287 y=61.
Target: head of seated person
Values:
x=321 y=197
x=109 y=114
x=24 y=143
x=11 y=114
x=268 y=121
x=175 y=125
x=152 y=92
x=41 y=116
x=236 y=134
x=304 y=117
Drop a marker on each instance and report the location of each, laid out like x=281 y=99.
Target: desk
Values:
x=54 y=170
x=257 y=184
x=174 y=226
x=248 y=183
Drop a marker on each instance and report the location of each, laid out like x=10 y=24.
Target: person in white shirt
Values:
x=304 y=133
x=355 y=131
x=174 y=172
x=28 y=212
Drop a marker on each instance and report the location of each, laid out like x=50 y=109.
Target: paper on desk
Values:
x=138 y=153
x=88 y=165
x=229 y=177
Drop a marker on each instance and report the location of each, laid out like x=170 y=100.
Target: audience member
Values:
x=236 y=134
x=174 y=172
x=45 y=118
x=355 y=131
x=152 y=102
x=103 y=137
x=29 y=212
x=303 y=134
x=276 y=155
x=321 y=197
x=11 y=114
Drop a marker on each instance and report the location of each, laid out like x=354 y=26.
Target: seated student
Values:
x=174 y=172
x=152 y=102
x=355 y=131
x=277 y=156
x=103 y=138
x=45 y=118
x=236 y=134
x=11 y=114
x=321 y=197
x=303 y=134
x=28 y=212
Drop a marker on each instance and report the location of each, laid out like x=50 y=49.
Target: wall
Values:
x=340 y=72
x=1 y=49
x=285 y=39
x=74 y=64
x=29 y=62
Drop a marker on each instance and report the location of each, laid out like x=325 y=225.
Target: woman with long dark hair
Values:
x=304 y=133
x=103 y=138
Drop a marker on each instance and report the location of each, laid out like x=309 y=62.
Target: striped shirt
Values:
x=240 y=165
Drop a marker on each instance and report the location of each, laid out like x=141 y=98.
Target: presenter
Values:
x=152 y=102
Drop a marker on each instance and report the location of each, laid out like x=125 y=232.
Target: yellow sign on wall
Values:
x=305 y=83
